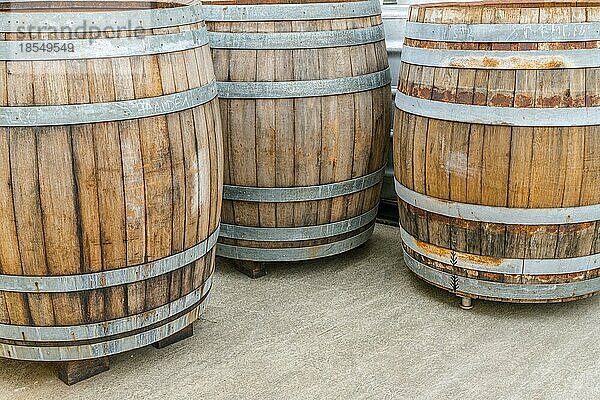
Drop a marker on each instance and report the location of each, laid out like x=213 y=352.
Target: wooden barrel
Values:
x=110 y=176
x=498 y=149
x=304 y=92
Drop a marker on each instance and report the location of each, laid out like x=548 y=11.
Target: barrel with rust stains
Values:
x=497 y=151
x=110 y=175
x=305 y=94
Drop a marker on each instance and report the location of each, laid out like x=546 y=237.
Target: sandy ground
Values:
x=356 y=326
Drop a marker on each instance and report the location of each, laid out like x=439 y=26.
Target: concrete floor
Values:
x=357 y=326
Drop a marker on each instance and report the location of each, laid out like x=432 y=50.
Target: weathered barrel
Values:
x=110 y=175
x=305 y=94
x=498 y=149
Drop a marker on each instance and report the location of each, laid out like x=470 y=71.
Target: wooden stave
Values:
x=371 y=194
x=188 y=277
x=416 y=220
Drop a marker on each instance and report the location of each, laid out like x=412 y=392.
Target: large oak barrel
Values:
x=110 y=175
x=498 y=149
x=305 y=94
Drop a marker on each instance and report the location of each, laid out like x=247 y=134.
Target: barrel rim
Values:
x=114 y=21
x=515 y=4
x=291 y=12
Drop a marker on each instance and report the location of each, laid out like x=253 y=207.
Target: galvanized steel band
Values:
x=303 y=193
x=497 y=290
x=502 y=60
x=509 y=266
x=504 y=33
x=505 y=116
x=81 y=352
x=291 y=12
x=105 y=328
x=22 y=21
x=74 y=114
x=298 y=233
x=312 y=88
x=104 y=48
x=296 y=253
x=109 y=278
x=296 y=40
x=499 y=215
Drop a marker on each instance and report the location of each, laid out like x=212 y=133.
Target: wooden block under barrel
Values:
x=72 y=372
x=176 y=337
x=253 y=269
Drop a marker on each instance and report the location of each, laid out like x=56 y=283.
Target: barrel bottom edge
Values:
x=72 y=372
x=503 y=292
x=295 y=253
x=81 y=352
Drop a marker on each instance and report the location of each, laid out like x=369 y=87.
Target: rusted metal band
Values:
x=82 y=49
x=103 y=349
x=312 y=88
x=294 y=254
x=299 y=233
x=499 y=215
x=505 y=116
x=502 y=60
x=296 y=40
x=502 y=291
x=508 y=266
x=106 y=328
x=303 y=193
x=504 y=33
x=73 y=114
x=20 y=21
x=104 y=279
x=291 y=12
